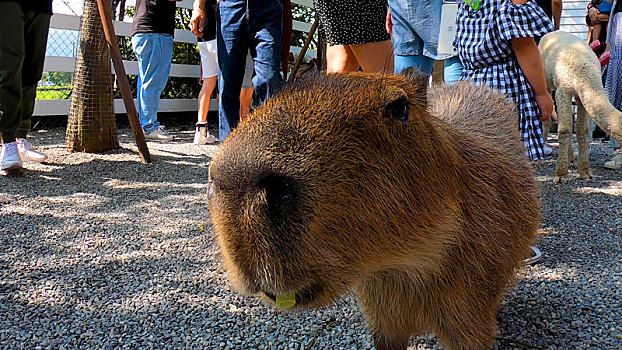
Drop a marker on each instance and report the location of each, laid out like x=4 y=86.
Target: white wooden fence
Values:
x=67 y=64
x=573 y=17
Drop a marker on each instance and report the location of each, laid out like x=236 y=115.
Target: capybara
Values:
x=348 y=182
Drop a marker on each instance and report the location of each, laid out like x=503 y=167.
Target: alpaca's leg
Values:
x=583 y=139
x=546 y=127
x=564 y=129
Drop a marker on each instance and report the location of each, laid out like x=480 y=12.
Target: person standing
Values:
x=414 y=28
x=495 y=43
x=152 y=40
x=553 y=10
x=244 y=25
x=24 y=26
x=613 y=77
x=209 y=72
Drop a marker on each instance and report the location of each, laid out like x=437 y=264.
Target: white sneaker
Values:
x=28 y=154
x=616 y=162
x=10 y=157
x=546 y=149
x=158 y=134
x=202 y=136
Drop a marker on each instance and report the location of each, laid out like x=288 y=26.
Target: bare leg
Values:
x=564 y=129
x=246 y=97
x=596 y=28
x=205 y=96
x=340 y=59
x=583 y=130
x=374 y=57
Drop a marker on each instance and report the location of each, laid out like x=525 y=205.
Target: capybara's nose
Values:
x=282 y=193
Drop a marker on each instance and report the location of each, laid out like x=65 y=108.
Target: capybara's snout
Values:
x=265 y=231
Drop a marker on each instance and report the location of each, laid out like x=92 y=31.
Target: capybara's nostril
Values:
x=282 y=193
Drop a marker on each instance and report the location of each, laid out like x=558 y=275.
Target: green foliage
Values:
x=53 y=92
x=307 y=15
x=57 y=78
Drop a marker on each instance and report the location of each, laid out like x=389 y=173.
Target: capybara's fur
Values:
x=347 y=182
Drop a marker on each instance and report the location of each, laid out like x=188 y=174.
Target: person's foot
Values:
x=10 y=157
x=604 y=58
x=158 y=134
x=545 y=149
x=202 y=135
x=595 y=45
x=28 y=154
x=616 y=162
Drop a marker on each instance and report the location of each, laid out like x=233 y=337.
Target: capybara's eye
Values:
x=281 y=193
x=398 y=109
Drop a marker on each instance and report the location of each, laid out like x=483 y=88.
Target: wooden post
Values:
x=124 y=85
x=303 y=51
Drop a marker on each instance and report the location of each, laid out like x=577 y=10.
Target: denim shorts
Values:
x=416 y=26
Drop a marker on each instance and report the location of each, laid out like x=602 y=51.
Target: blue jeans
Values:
x=242 y=26
x=415 y=37
x=154 y=52
x=452 y=71
x=416 y=27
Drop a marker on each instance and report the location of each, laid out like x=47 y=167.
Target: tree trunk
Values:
x=91 y=126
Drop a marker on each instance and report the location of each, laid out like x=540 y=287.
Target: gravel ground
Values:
x=100 y=251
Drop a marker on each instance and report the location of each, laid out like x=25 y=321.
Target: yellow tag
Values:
x=285 y=301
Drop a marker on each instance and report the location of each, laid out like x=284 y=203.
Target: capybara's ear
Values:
x=397 y=105
x=419 y=81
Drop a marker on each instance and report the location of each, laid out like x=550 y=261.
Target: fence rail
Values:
x=66 y=63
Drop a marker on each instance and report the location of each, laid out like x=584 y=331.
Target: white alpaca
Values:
x=572 y=69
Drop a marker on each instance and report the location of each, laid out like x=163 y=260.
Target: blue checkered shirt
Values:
x=483 y=41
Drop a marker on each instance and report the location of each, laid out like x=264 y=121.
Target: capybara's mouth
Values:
x=304 y=297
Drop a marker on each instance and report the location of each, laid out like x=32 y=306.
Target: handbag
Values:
x=447 y=31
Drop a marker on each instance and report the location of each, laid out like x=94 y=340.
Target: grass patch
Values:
x=53 y=92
